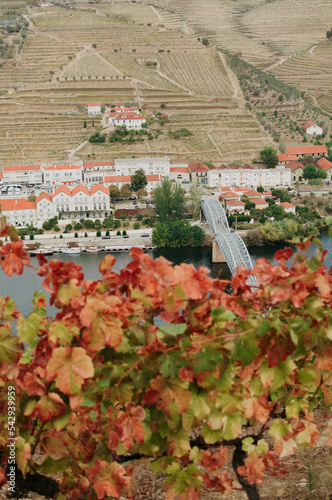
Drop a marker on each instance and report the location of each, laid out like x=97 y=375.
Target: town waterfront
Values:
x=22 y=288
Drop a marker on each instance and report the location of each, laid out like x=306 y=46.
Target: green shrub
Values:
x=76 y=235
x=32 y=236
x=137 y=225
x=118 y=233
x=98 y=234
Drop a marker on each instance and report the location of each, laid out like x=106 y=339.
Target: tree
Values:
x=108 y=223
x=106 y=380
x=312 y=172
x=138 y=180
x=196 y=193
x=260 y=189
x=269 y=156
x=97 y=224
x=32 y=198
x=114 y=191
x=126 y=191
x=169 y=200
x=88 y=224
x=141 y=193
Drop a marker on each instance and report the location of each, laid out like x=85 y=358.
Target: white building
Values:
x=151 y=166
x=132 y=121
x=288 y=207
x=94 y=172
x=80 y=199
x=94 y=109
x=55 y=175
x=120 y=180
x=272 y=177
x=19 y=212
x=25 y=174
x=179 y=174
x=311 y=128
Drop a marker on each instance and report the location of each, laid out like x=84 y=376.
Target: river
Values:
x=22 y=288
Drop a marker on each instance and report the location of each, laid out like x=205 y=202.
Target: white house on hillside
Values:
x=272 y=177
x=26 y=174
x=55 y=175
x=94 y=109
x=311 y=128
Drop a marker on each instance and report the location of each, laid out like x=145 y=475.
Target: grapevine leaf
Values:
x=10 y=349
x=49 y=407
x=29 y=328
x=70 y=367
x=107 y=479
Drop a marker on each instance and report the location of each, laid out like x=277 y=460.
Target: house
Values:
x=260 y=204
x=150 y=165
x=94 y=109
x=288 y=207
x=301 y=151
x=55 y=175
x=326 y=165
x=296 y=170
x=95 y=172
x=132 y=121
x=311 y=128
x=249 y=176
x=232 y=205
x=284 y=159
x=179 y=174
x=78 y=202
x=198 y=173
x=120 y=180
x=19 y=212
x=25 y=174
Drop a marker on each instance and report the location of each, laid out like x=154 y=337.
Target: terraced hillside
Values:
x=120 y=52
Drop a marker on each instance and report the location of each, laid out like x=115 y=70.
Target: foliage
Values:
x=106 y=381
x=178 y=134
x=280 y=231
x=282 y=194
x=108 y=223
x=260 y=189
x=97 y=224
x=275 y=211
x=141 y=193
x=196 y=193
x=97 y=137
x=177 y=233
x=137 y=225
x=269 y=156
x=88 y=224
x=138 y=180
x=126 y=190
x=32 y=198
x=98 y=234
x=169 y=200
x=114 y=191
x=50 y=224
x=312 y=172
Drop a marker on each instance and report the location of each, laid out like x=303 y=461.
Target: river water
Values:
x=22 y=288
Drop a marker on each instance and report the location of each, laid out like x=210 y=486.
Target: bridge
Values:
x=231 y=244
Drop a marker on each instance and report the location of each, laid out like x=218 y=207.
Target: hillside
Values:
x=152 y=54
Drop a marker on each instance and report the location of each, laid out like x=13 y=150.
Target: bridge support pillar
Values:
x=217 y=255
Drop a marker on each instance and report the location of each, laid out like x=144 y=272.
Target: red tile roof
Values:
x=43 y=196
x=99 y=187
x=306 y=150
x=294 y=165
x=129 y=117
x=284 y=157
x=307 y=125
x=97 y=104
x=285 y=204
x=62 y=189
x=98 y=164
x=198 y=167
x=324 y=164
x=233 y=203
x=1 y=175
x=252 y=193
x=79 y=188
x=22 y=167
x=17 y=204
x=230 y=194
x=63 y=167
x=258 y=201
x=182 y=170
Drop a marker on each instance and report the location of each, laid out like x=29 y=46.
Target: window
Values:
x=94 y=206
x=67 y=208
x=76 y=208
x=99 y=206
x=81 y=208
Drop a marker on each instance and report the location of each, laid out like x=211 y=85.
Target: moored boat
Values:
x=40 y=251
x=72 y=250
x=92 y=250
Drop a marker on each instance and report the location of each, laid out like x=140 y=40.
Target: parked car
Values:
x=126 y=236
x=135 y=202
x=126 y=207
x=105 y=237
x=145 y=235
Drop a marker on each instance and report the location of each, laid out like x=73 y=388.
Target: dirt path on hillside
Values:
x=234 y=81
x=214 y=143
x=156 y=12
